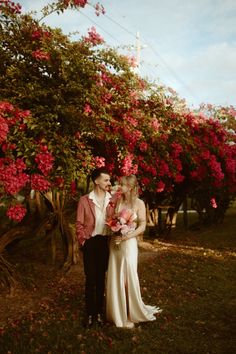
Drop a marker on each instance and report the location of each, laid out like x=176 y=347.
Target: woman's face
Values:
x=125 y=188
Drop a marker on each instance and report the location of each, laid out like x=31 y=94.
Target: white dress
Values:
x=124 y=305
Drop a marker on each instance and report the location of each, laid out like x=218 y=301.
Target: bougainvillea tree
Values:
x=68 y=106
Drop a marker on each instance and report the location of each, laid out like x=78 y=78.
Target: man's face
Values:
x=103 y=182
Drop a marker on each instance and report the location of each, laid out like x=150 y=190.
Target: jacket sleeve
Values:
x=80 y=218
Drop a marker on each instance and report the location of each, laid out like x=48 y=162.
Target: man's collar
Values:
x=93 y=197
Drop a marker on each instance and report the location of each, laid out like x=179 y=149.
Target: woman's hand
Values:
x=118 y=239
x=124 y=238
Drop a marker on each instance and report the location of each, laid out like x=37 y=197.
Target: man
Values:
x=91 y=233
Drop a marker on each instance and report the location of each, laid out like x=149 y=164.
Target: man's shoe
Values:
x=100 y=321
x=89 y=322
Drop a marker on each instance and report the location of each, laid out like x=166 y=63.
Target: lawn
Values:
x=190 y=275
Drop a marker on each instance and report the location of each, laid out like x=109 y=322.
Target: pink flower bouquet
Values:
x=122 y=222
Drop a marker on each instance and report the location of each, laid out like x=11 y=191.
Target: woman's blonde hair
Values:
x=132 y=182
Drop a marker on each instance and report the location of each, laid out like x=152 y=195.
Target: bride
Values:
x=124 y=305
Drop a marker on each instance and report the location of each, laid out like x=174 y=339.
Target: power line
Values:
x=157 y=54
x=149 y=45
x=103 y=29
x=169 y=68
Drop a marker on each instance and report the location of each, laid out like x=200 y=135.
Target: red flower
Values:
x=12 y=176
x=59 y=181
x=45 y=162
x=73 y=187
x=143 y=146
x=16 y=212
x=3 y=129
x=40 y=54
x=160 y=187
x=39 y=183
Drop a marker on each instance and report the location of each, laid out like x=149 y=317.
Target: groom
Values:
x=90 y=229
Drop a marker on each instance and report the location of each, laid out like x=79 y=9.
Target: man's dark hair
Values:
x=97 y=172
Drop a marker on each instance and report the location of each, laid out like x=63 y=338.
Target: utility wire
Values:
x=170 y=70
x=103 y=29
x=149 y=45
x=157 y=54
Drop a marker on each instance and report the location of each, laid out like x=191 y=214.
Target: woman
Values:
x=124 y=305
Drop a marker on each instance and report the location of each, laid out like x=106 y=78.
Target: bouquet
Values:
x=122 y=222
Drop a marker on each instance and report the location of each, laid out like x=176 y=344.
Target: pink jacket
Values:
x=85 y=221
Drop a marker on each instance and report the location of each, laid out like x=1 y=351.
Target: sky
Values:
x=187 y=45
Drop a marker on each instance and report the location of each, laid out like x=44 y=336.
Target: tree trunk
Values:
x=69 y=235
x=19 y=233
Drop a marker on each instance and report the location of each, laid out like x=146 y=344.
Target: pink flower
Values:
x=6 y=106
x=16 y=212
x=132 y=61
x=10 y=6
x=87 y=109
x=99 y=161
x=155 y=125
x=99 y=9
x=133 y=121
x=122 y=221
x=93 y=37
x=128 y=166
x=213 y=203
x=106 y=98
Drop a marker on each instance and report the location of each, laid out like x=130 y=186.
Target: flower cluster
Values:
x=40 y=55
x=93 y=37
x=122 y=222
x=12 y=175
x=10 y=6
x=128 y=166
x=99 y=9
x=45 y=161
x=99 y=161
x=16 y=212
x=38 y=34
x=39 y=183
x=80 y=3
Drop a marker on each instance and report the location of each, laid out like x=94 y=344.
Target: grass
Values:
x=191 y=276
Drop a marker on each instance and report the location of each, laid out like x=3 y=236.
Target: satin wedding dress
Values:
x=124 y=305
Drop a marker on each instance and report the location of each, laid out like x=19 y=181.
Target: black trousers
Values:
x=95 y=257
